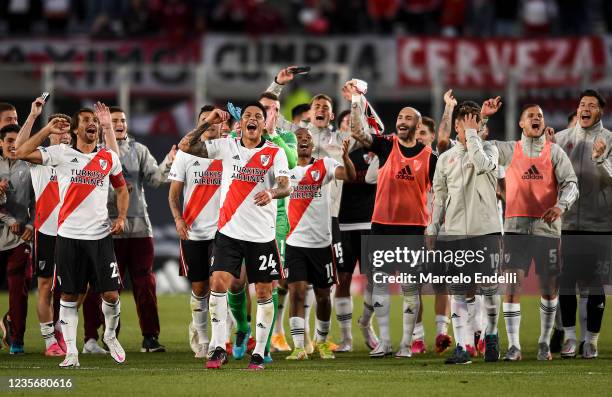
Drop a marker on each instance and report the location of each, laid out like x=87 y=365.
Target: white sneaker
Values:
x=404 y=352
x=194 y=340
x=70 y=361
x=92 y=347
x=369 y=336
x=589 y=350
x=203 y=352
x=345 y=346
x=383 y=349
x=116 y=351
x=568 y=350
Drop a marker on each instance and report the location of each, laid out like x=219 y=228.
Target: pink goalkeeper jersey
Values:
x=201 y=193
x=247 y=172
x=83 y=180
x=310 y=204
x=46 y=191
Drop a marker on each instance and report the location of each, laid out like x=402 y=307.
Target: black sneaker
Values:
x=150 y=344
x=257 y=362
x=491 y=348
x=217 y=358
x=459 y=356
x=556 y=340
x=6 y=331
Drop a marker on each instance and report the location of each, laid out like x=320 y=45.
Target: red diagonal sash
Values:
x=77 y=192
x=239 y=190
x=201 y=195
x=46 y=203
x=298 y=206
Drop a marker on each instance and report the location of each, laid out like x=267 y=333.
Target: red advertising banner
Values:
x=488 y=63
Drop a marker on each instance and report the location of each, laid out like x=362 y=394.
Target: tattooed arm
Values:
x=192 y=142
x=444 y=130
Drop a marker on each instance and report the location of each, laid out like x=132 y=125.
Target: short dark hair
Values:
x=8 y=129
x=204 y=109
x=115 y=109
x=429 y=123
x=465 y=108
x=322 y=96
x=594 y=93
x=571 y=116
x=61 y=116
x=299 y=109
x=268 y=95
x=74 y=122
x=342 y=115
x=527 y=106
x=4 y=106
x=257 y=105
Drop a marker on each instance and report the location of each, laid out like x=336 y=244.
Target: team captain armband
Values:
x=117 y=180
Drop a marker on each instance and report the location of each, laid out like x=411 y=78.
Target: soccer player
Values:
x=134 y=247
x=540 y=187
x=300 y=113
x=310 y=258
x=196 y=220
x=404 y=178
x=84 y=246
x=588 y=145
x=46 y=191
x=468 y=172
x=16 y=231
x=8 y=114
x=247 y=221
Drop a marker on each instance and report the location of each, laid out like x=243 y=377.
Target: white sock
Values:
x=199 y=316
x=344 y=315
x=491 y=305
x=480 y=322
x=419 y=332
x=47 y=331
x=111 y=312
x=368 y=309
x=279 y=327
x=229 y=326
x=322 y=330
x=591 y=337
x=459 y=317
x=309 y=302
x=217 y=306
x=410 y=311
x=69 y=320
x=548 y=310
x=382 y=302
x=472 y=324
x=569 y=333
x=263 y=322
x=512 y=318
x=582 y=315
x=441 y=324
x=296 y=324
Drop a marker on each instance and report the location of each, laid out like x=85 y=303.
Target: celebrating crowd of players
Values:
x=284 y=204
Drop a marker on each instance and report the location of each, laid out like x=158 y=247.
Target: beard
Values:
x=408 y=134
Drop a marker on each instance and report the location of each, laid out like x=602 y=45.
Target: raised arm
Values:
x=484 y=159
x=154 y=174
x=28 y=151
x=26 y=128
x=444 y=129
x=358 y=131
x=192 y=142
x=174 y=194
x=346 y=172
x=104 y=117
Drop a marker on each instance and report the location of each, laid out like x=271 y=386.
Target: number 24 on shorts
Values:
x=267 y=262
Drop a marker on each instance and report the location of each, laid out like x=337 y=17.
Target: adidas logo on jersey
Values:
x=197 y=163
x=236 y=157
x=405 y=173
x=74 y=160
x=532 y=173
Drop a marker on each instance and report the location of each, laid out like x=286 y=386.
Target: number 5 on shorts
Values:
x=267 y=262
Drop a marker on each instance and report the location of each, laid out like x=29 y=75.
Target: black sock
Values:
x=595 y=312
x=568 y=305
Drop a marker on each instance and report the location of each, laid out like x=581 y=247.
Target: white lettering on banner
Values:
x=487 y=63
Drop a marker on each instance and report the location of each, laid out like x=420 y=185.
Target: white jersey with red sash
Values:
x=46 y=191
x=531 y=184
x=83 y=180
x=310 y=204
x=401 y=193
x=201 y=193
x=247 y=172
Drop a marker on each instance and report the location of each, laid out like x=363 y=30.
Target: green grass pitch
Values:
x=177 y=373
